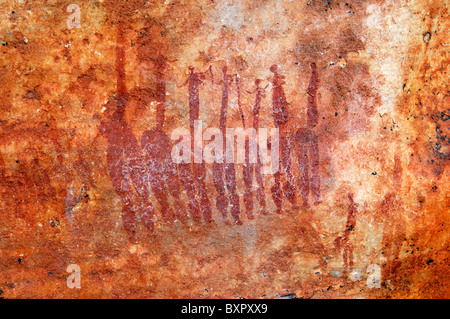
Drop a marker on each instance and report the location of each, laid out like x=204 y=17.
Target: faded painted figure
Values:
x=394 y=232
x=124 y=156
x=344 y=242
x=162 y=172
x=255 y=169
x=193 y=175
x=224 y=174
x=308 y=146
x=281 y=117
x=127 y=169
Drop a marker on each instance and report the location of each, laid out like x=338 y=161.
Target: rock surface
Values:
x=358 y=90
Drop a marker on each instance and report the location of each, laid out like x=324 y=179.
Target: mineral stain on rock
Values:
x=358 y=91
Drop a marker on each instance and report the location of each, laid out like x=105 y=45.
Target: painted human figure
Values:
x=193 y=175
x=126 y=169
x=162 y=172
x=344 y=242
x=224 y=174
x=124 y=156
x=308 y=146
x=255 y=169
x=281 y=118
x=394 y=231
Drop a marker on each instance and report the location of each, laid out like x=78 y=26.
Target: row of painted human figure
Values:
x=133 y=166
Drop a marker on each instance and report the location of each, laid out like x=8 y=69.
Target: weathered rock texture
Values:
x=86 y=176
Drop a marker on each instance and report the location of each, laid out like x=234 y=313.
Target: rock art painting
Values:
x=224 y=149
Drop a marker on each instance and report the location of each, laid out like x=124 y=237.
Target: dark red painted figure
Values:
x=188 y=182
x=127 y=170
x=312 y=113
x=196 y=176
x=254 y=168
x=343 y=242
x=224 y=174
x=124 y=157
x=247 y=168
x=394 y=231
x=308 y=146
x=281 y=117
x=162 y=172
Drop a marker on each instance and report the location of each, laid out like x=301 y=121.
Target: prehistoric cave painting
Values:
x=224 y=174
x=164 y=176
x=281 y=118
x=255 y=169
x=125 y=160
x=127 y=170
x=344 y=242
x=362 y=68
x=247 y=169
x=195 y=80
x=161 y=63
x=308 y=146
x=162 y=172
x=187 y=180
x=247 y=173
x=394 y=231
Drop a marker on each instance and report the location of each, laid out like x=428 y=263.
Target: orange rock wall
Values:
x=73 y=98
